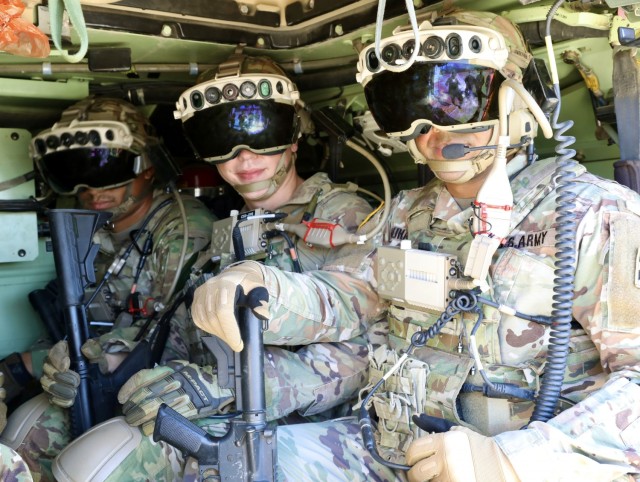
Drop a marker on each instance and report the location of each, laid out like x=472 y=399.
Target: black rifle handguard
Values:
x=74 y=252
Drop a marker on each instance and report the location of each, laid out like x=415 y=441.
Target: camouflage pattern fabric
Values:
x=597 y=438
x=49 y=435
x=316 y=353
x=152 y=461
x=160 y=268
x=12 y=467
x=330 y=451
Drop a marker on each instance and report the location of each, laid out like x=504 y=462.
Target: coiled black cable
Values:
x=463 y=301
x=564 y=272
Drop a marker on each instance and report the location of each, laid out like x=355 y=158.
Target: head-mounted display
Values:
x=89 y=167
x=89 y=154
x=225 y=115
x=453 y=83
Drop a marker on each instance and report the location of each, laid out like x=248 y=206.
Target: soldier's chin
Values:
x=450 y=176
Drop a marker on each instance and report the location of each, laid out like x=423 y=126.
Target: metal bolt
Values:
x=244 y=9
x=166 y=30
x=260 y=42
x=338 y=30
x=22 y=253
x=15 y=136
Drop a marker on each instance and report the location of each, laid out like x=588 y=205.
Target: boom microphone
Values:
x=456 y=151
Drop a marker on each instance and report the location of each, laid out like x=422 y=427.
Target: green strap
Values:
x=56 y=11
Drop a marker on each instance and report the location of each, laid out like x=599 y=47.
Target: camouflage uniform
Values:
x=51 y=431
x=595 y=439
x=159 y=270
x=12 y=467
x=316 y=355
x=318 y=368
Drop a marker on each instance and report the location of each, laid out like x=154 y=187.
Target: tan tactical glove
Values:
x=214 y=302
x=190 y=390
x=3 y=406
x=459 y=455
x=60 y=382
x=110 y=349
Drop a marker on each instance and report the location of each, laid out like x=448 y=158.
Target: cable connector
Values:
x=318 y=232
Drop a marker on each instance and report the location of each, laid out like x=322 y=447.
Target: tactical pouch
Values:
x=427 y=383
x=398 y=398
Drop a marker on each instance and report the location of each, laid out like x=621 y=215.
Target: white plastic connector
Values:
x=494 y=201
x=480 y=255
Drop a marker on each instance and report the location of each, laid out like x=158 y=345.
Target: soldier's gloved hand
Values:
x=3 y=406
x=213 y=308
x=58 y=380
x=110 y=349
x=189 y=389
x=459 y=455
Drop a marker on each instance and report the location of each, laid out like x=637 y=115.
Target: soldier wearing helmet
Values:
x=468 y=391
x=246 y=118
x=105 y=152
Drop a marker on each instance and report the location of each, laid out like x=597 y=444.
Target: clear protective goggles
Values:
x=92 y=154
x=223 y=116
x=452 y=85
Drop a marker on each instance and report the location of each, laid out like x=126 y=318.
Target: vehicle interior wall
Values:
x=149 y=52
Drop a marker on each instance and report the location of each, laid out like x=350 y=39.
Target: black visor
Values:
x=90 y=167
x=219 y=132
x=437 y=93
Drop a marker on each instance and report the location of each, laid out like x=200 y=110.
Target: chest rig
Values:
x=494 y=392
x=122 y=263
x=276 y=251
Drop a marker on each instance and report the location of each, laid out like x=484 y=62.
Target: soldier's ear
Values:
x=149 y=173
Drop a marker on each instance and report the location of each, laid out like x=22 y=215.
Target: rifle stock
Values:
x=74 y=252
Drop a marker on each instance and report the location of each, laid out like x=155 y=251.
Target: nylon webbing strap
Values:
x=16 y=181
x=56 y=14
x=626 y=90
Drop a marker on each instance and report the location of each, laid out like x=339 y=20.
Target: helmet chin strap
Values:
x=129 y=201
x=271 y=185
x=470 y=167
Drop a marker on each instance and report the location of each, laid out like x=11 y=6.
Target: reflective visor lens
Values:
x=444 y=94
x=68 y=170
x=218 y=133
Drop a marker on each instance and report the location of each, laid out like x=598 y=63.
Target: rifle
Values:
x=74 y=252
x=72 y=233
x=247 y=452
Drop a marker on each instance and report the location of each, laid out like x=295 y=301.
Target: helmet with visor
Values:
x=99 y=143
x=248 y=103
x=454 y=82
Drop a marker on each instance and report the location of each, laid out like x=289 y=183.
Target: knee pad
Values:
x=94 y=455
x=22 y=420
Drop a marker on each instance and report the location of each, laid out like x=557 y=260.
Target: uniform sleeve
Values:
x=599 y=437
x=324 y=313
x=314 y=378
x=322 y=305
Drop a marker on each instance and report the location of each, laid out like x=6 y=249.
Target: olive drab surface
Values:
x=339 y=321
